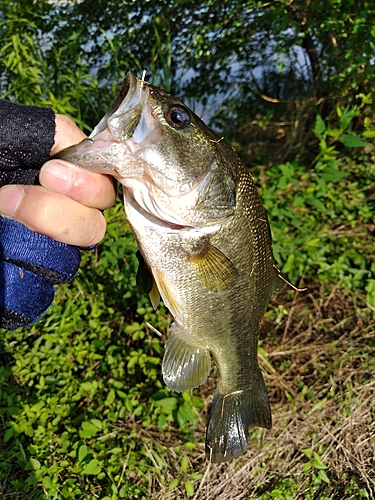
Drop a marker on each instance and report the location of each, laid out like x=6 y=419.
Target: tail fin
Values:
x=231 y=416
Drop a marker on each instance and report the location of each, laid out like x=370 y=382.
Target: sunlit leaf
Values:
x=92 y=468
x=353 y=141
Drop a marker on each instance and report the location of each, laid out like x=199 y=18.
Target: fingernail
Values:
x=56 y=176
x=10 y=198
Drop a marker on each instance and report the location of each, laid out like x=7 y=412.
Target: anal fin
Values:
x=185 y=365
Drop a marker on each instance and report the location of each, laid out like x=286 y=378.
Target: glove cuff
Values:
x=24 y=297
x=30 y=264
x=54 y=261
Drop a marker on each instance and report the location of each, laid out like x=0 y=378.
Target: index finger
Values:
x=66 y=134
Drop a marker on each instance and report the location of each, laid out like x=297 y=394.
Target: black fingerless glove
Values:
x=30 y=263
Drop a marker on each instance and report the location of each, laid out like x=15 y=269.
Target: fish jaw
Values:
x=113 y=144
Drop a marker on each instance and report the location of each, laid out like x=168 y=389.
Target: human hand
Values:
x=66 y=207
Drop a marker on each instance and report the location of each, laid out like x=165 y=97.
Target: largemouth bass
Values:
x=204 y=235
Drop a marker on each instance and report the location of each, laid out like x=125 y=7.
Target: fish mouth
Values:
x=123 y=116
x=102 y=150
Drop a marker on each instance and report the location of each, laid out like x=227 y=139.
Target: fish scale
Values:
x=204 y=236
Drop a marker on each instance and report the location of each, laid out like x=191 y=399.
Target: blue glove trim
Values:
x=56 y=262
x=24 y=292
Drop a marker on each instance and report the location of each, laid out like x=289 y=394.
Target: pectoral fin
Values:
x=185 y=365
x=212 y=267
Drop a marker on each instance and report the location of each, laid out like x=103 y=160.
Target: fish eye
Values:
x=178 y=117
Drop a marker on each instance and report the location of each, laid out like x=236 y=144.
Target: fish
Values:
x=204 y=236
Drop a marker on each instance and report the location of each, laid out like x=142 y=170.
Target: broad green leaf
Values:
x=174 y=484
x=33 y=464
x=346 y=118
x=169 y=404
x=187 y=396
x=314 y=242
x=318 y=463
x=288 y=266
x=369 y=134
x=333 y=132
x=37 y=407
x=88 y=430
x=323 y=476
x=98 y=423
x=323 y=145
x=184 y=463
x=92 y=468
x=319 y=127
x=134 y=360
x=332 y=175
x=197 y=402
x=186 y=414
x=153 y=360
x=83 y=451
x=286 y=170
x=308 y=452
x=315 y=202
x=189 y=488
x=353 y=141
x=306 y=467
x=8 y=434
x=47 y=483
x=196 y=476
x=88 y=386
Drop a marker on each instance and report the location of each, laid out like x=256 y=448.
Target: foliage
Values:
x=321 y=218
x=80 y=389
x=36 y=71
x=264 y=57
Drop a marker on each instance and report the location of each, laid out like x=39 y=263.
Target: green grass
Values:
x=80 y=387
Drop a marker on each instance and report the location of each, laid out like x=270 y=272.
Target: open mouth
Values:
x=122 y=102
